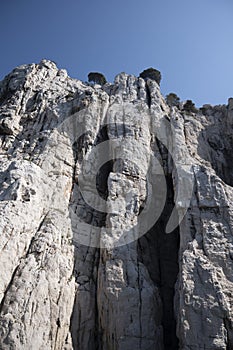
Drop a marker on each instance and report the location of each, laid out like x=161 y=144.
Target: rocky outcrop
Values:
x=116 y=216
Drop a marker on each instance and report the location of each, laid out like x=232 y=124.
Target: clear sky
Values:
x=190 y=42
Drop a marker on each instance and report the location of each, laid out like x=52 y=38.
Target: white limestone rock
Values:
x=87 y=268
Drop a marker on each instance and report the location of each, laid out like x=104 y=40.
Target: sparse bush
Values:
x=173 y=100
x=189 y=107
x=97 y=78
x=151 y=73
x=206 y=109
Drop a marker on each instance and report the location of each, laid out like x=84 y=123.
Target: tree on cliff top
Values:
x=97 y=78
x=189 y=107
x=151 y=73
x=172 y=100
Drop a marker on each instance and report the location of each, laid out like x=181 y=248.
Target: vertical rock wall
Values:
x=116 y=216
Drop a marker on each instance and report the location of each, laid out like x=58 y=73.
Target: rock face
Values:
x=116 y=216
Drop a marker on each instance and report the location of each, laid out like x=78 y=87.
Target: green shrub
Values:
x=189 y=107
x=97 y=78
x=173 y=100
x=206 y=109
x=151 y=73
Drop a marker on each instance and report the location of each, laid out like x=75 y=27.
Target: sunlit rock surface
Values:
x=116 y=216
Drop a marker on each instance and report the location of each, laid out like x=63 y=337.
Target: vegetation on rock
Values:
x=189 y=107
x=97 y=78
x=173 y=100
x=151 y=73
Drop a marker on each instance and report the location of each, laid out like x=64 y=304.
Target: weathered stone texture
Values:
x=86 y=268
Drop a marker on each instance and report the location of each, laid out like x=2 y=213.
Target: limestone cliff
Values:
x=116 y=216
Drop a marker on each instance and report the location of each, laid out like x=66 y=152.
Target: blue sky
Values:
x=190 y=42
